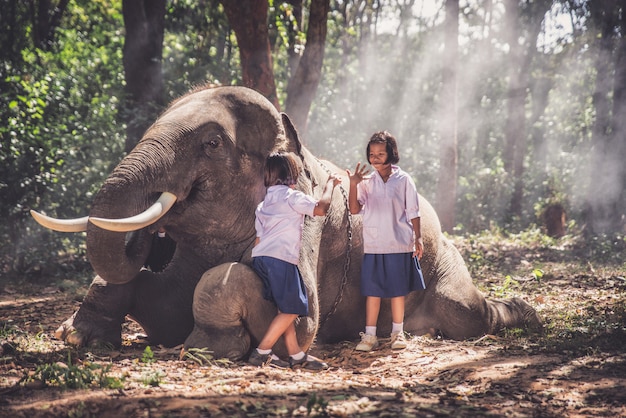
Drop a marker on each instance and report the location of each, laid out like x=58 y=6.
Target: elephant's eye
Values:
x=212 y=143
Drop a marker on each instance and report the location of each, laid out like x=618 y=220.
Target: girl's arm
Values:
x=353 y=202
x=323 y=204
x=419 y=243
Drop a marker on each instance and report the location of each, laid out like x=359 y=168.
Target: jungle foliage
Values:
x=63 y=120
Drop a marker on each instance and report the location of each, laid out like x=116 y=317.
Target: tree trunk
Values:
x=521 y=57
x=617 y=143
x=144 y=21
x=9 y=22
x=46 y=18
x=248 y=18
x=292 y=34
x=515 y=134
x=303 y=83
x=540 y=92
x=448 y=115
x=605 y=200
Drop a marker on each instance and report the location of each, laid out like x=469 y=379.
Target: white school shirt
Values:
x=279 y=222
x=387 y=212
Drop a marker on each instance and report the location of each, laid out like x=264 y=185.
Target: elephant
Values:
x=197 y=173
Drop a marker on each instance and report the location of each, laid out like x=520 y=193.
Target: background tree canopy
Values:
x=501 y=108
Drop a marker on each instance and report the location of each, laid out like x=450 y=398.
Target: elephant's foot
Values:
x=82 y=333
x=513 y=313
x=232 y=343
x=99 y=319
x=532 y=320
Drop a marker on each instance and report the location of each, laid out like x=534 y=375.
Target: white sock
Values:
x=264 y=352
x=370 y=331
x=395 y=327
x=298 y=356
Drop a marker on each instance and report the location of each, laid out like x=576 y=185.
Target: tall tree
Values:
x=46 y=18
x=248 y=18
x=618 y=137
x=304 y=81
x=144 y=21
x=605 y=201
x=294 y=26
x=522 y=21
x=448 y=121
x=28 y=23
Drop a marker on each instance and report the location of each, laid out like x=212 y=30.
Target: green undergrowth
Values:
x=576 y=283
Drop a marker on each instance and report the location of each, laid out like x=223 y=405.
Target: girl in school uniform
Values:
x=392 y=239
x=279 y=222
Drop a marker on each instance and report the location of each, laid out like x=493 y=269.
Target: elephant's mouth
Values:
x=155 y=212
x=161 y=253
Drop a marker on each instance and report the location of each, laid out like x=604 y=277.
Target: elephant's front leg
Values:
x=231 y=316
x=100 y=316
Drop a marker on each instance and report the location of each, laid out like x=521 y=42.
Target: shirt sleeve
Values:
x=258 y=226
x=302 y=203
x=412 y=199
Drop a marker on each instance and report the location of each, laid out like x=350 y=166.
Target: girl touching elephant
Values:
x=388 y=201
x=279 y=223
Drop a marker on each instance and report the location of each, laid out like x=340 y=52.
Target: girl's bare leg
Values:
x=279 y=325
x=397 y=309
x=372 y=308
x=291 y=340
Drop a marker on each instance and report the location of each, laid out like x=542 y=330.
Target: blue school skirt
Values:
x=282 y=284
x=391 y=275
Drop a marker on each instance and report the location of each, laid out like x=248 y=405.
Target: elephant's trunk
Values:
x=131 y=189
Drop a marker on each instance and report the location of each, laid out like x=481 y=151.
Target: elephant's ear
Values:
x=293 y=140
x=294 y=145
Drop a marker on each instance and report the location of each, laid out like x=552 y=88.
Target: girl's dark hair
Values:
x=281 y=168
x=384 y=137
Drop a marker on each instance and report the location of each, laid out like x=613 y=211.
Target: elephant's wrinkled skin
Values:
x=208 y=150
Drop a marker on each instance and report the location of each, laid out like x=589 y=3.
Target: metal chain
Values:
x=346 y=266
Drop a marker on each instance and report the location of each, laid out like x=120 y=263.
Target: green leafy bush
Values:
x=59 y=137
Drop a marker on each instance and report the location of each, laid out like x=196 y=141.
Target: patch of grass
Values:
x=201 y=356
x=147 y=356
x=79 y=411
x=577 y=283
x=43 y=363
x=506 y=289
x=73 y=376
x=316 y=405
x=152 y=378
x=6 y=331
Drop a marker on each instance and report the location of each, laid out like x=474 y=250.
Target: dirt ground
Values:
x=576 y=368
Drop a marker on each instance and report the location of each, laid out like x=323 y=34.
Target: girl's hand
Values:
x=335 y=179
x=419 y=248
x=359 y=173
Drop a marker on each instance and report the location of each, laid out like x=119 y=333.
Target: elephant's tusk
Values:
x=148 y=217
x=61 y=225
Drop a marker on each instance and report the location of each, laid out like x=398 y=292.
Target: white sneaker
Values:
x=398 y=341
x=368 y=342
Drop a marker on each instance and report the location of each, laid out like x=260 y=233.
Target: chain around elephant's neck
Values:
x=346 y=266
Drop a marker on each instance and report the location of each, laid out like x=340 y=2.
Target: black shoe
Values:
x=308 y=362
x=257 y=359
